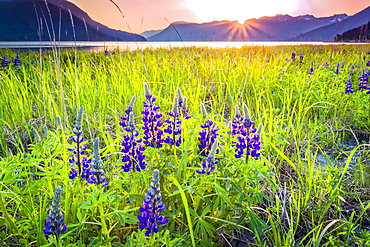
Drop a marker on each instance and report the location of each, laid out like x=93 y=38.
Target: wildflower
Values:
x=207 y=135
x=311 y=72
x=152 y=123
x=336 y=71
x=150 y=217
x=4 y=62
x=78 y=151
x=293 y=56
x=326 y=64
x=173 y=128
x=364 y=78
x=349 y=86
x=125 y=118
x=54 y=221
x=133 y=150
x=368 y=63
x=209 y=164
x=267 y=59
x=248 y=137
x=182 y=105
x=301 y=58
x=17 y=61
x=106 y=52
x=96 y=171
x=351 y=73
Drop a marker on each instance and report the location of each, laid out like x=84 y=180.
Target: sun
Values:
x=239 y=10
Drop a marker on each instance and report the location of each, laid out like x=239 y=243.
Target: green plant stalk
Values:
x=7 y=217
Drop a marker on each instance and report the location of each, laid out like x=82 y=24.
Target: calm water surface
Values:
x=98 y=46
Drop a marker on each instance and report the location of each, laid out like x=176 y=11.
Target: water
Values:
x=99 y=46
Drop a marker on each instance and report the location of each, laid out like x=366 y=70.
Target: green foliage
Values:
x=284 y=198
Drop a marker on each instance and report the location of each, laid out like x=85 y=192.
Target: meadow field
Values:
x=257 y=146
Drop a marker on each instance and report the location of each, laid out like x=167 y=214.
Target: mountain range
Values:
x=49 y=20
x=277 y=28
x=38 y=20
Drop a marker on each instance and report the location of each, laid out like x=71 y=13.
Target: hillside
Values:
x=328 y=33
x=34 y=20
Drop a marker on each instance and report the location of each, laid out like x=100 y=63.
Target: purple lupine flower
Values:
x=293 y=56
x=125 y=118
x=364 y=79
x=248 y=138
x=349 y=86
x=336 y=71
x=301 y=58
x=326 y=64
x=4 y=62
x=152 y=123
x=54 y=221
x=152 y=207
x=173 y=129
x=368 y=63
x=106 y=52
x=182 y=105
x=133 y=157
x=351 y=72
x=17 y=61
x=96 y=170
x=207 y=135
x=78 y=151
x=311 y=71
x=209 y=164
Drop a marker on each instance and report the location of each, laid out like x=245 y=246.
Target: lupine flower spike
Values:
x=209 y=164
x=364 y=78
x=301 y=58
x=133 y=157
x=311 y=72
x=152 y=123
x=248 y=139
x=293 y=56
x=17 y=61
x=349 y=85
x=125 y=118
x=54 y=221
x=207 y=135
x=337 y=69
x=173 y=128
x=182 y=105
x=79 y=150
x=150 y=217
x=96 y=171
x=4 y=62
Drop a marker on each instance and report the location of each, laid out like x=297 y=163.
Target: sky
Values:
x=141 y=15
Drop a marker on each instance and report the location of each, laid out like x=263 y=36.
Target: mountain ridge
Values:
x=38 y=20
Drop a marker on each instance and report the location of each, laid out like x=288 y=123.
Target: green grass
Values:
x=283 y=198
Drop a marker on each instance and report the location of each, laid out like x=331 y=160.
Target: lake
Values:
x=99 y=46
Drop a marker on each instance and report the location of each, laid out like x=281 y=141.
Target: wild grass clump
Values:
x=149 y=148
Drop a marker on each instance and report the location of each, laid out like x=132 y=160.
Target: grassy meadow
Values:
x=308 y=187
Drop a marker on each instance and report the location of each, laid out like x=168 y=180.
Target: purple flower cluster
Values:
x=363 y=80
x=150 y=217
x=248 y=138
x=96 y=171
x=133 y=157
x=336 y=71
x=78 y=151
x=4 y=62
x=293 y=56
x=182 y=105
x=152 y=123
x=209 y=164
x=125 y=118
x=349 y=85
x=301 y=57
x=173 y=129
x=17 y=61
x=54 y=221
x=207 y=136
